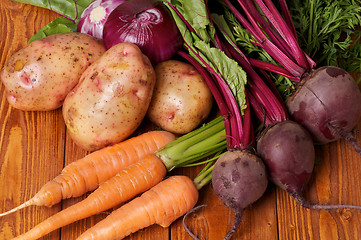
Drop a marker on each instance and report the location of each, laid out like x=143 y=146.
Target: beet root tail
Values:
x=352 y=140
x=237 y=221
x=315 y=206
x=185 y=225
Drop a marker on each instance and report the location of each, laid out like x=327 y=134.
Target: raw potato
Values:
x=181 y=99
x=39 y=76
x=111 y=99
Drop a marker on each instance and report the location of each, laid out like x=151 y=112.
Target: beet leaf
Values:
x=201 y=42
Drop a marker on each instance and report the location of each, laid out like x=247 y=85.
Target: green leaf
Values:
x=186 y=34
x=71 y=9
x=228 y=69
x=195 y=12
x=328 y=31
x=200 y=47
x=59 y=25
x=221 y=22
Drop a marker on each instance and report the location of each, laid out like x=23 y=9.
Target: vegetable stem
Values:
x=205 y=176
x=228 y=78
x=196 y=145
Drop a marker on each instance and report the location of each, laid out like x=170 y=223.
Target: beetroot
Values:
x=288 y=152
x=327 y=103
x=327 y=100
x=239 y=178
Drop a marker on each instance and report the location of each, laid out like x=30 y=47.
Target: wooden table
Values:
x=34 y=147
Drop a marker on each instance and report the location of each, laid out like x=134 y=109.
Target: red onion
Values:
x=94 y=16
x=146 y=23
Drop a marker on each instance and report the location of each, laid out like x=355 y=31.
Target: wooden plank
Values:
x=31 y=143
x=259 y=221
x=74 y=230
x=34 y=148
x=336 y=180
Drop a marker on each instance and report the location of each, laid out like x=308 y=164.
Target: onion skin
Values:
x=146 y=23
x=95 y=28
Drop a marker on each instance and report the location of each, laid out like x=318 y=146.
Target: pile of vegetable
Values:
x=168 y=61
x=105 y=83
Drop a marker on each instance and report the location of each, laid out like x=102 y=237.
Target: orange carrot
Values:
x=162 y=205
x=128 y=183
x=139 y=177
x=87 y=173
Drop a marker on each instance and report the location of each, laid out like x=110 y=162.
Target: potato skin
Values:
x=111 y=99
x=39 y=76
x=181 y=98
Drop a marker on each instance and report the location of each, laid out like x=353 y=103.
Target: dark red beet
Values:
x=239 y=178
x=327 y=101
x=288 y=152
x=328 y=104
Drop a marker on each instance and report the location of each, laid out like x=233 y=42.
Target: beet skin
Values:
x=327 y=103
x=288 y=152
x=239 y=178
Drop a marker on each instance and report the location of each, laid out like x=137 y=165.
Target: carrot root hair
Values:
x=30 y=202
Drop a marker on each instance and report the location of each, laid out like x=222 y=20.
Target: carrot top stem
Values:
x=196 y=145
x=204 y=177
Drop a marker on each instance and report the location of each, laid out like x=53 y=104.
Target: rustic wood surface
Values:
x=34 y=147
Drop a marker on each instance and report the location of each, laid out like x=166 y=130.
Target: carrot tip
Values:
x=24 y=205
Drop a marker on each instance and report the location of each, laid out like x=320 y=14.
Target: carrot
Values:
x=162 y=205
x=128 y=183
x=138 y=177
x=87 y=173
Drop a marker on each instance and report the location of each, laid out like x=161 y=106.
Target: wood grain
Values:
x=34 y=147
x=31 y=143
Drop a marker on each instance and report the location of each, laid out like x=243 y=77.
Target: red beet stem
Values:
x=271 y=68
x=275 y=18
x=252 y=25
x=287 y=17
x=235 y=128
x=210 y=82
x=267 y=106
